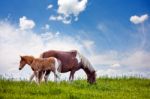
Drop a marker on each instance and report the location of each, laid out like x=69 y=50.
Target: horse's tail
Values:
x=85 y=62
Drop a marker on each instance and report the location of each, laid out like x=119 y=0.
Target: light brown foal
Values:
x=39 y=65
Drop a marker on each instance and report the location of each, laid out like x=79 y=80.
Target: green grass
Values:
x=105 y=88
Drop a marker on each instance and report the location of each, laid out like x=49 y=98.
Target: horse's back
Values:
x=56 y=53
x=67 y=54
x=67 y=58
x=73 y=53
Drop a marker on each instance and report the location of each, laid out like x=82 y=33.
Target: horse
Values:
x=40 y=65
x=72 y=61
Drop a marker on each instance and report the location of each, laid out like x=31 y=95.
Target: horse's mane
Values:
x=86 y=63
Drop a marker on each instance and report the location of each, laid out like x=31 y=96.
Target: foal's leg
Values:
x=36 y=76
x=32 y=76
x=46 y=75
x=40 y=74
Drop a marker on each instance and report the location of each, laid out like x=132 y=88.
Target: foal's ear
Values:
x=21 y=57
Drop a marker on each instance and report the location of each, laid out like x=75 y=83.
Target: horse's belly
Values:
x=67 y=68
x=68 y=64
x=63 y=70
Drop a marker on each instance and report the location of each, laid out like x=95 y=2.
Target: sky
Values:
x=113 y=34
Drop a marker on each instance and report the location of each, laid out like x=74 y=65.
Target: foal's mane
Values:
x=28 y=59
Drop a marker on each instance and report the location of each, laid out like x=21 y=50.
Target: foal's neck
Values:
x=29 y=60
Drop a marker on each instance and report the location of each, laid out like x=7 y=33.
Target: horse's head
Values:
x=92 y=77
x=22 y=62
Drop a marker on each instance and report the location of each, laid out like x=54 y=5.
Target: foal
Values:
x=39 y=65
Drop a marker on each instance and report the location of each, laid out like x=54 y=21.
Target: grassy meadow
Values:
x=105 y=88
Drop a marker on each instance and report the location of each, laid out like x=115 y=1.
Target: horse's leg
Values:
x=55 y=75
x=71 y=77
x=46 y=75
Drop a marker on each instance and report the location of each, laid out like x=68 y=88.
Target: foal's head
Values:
x=25 y=60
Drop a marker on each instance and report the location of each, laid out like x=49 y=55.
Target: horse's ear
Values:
x=94 y=71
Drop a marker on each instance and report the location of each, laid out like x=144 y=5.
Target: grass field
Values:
x=105 y=88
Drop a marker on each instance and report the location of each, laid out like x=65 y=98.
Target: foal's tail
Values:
x=86 y=63
x=57 y=67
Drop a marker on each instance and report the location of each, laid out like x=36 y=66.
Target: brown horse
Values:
x=72 y=61
x=39 y=65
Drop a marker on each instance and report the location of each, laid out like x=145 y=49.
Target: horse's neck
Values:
x=87 y=71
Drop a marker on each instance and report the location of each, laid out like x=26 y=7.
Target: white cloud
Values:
x=68 y=9
x=25 y=23
x=115 y=65
x=49 y=6
x=122 y=73
x=53 y=18
x=109 y=72
x=46 y=27
x=138 y=58
x=108 y=58
x=15 y=42
x=60 y=18
x=138 y=19
x=88 y=43
x=102 y=28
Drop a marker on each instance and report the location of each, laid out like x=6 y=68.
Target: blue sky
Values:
x=115 y=14
x=100 y=29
